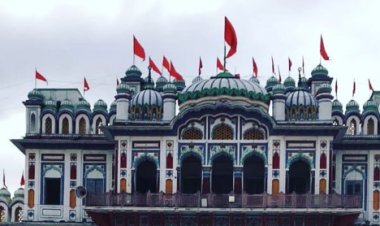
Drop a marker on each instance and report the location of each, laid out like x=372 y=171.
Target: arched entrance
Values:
x=146 y=177
x=254 y=175
x=299 y=177
x=222 y=174
x=191 y=174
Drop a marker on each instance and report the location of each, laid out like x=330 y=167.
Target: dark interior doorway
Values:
x=222 y=175
x=254 y=175
x=52 y=191
x=299 y=177
x=191 y=174
x=146 y=177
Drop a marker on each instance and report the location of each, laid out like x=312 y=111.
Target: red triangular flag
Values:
x=290 y=64
x=303 y=66
x=370 y=85
x=255 y=69
x=174 y=73
x=230 y=37
x=86 y=87
x=336 y=88
x=200 y=66
x=138 y=50
x=219 y=64
x=22 y=181
x=323 y=50
x=354 y=89
x=154 y=67
x=40 y=77
x=273 y=71
x=166 y=64
x=279 y=74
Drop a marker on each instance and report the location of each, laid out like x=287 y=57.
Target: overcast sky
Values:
x=67 y=40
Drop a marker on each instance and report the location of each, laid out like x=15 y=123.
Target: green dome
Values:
x=302 y=83
x=83 y=105
x=224 y=74
x=113 y=106
x=100 y=105
x=278 y=89
x=50 y=104
x=180 y=84
x=67 y=105
x=133 y=71
x=289 y=82
x=324 y=88
x=370 y=105
x=149 y=83
x=160 y=82
x=254 y=79
x=170 y=88
x=35 y=95
x=19 y=193
x=271 y=82
x=337 y=106
x=319 y=70
x=197 y=79
x=352 y=106
x=5 y=195
x=122 y=88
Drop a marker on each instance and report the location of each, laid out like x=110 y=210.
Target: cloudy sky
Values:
x=67 y=40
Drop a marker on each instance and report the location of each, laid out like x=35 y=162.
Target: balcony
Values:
x=198 y=200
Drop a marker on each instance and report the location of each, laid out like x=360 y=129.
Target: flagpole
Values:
x=35 y=79
x=224 y=63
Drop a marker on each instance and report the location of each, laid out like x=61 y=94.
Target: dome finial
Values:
x=149 y=74
x=299 y=72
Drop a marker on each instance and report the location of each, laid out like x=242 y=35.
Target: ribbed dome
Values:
x=197 y=79
x=113 y=106
x=289 y=82
x=5 y=194
x=100 y=105
x=35 y=95
x=133 y=71
x=337 y=106
x=160 y=82
x=324 y=88
x=51 y=105
x=180 y=84
x=147 y=97
x=67 y=105
x=300 y=98
x=278 y=89
x=272 y=81
x=19 y=193
x=224 y=84
x=84 y=105
x=254 y=79
x=370 y=105
x=170 y=88
x=122 y=88
x=319 y=70
x=352 y=106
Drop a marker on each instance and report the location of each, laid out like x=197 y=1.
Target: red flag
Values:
x=230 y=37
x=40 y=77
x=323 y=50
x=154 y=67
x=219 y=64
x=22 y=181
x=174 y=73
x=255 y=70
x=279 y=74
x=86 y=87
x=370 y=85
x=354 y=89
x=138 y=50
x=273 y=71
x=290 y=64
x=303 y=66
x=200 y=66
x=166 y=64
x=336 y=88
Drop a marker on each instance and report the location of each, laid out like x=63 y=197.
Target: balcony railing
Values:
x=224 y=200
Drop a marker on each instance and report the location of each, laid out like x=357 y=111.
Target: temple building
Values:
x=219 y=151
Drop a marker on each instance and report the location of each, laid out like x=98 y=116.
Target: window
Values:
x=98 y=124
x=192 y=134
x=253 y=134
x=52 y=191
x=123 y=160
x=276 y=161
x=370 y=127
x=82 y=126
x=18 y=214
x=95 y=185
x=2 y=214
x=222 y=132
x=169 y=161
x=48 y=126
x=33 y=123
x=73 y=172
x=376 y=174
x=65 y=126
x=352 y=129
x=353 y=187
x=323 y=161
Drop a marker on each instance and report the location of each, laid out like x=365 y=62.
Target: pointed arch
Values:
x=323 y=161
x=376 y=174
x=192 y=134
x=276 y=161
x=222 y=132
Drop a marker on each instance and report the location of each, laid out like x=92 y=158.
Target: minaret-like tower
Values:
x=122 y=102
x=170 y=98
x=33 y=111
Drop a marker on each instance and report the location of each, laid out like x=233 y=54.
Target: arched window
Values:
x=254 y=175
x=48 y=126
x=323 y=161
x=31 y=171
x=98 y=124
x=18 y=214
x=65 y=126
x=2 y=214
x=146 y=177
x=222 y=174
x=376 y=174
x=253 y=134
x=191 y=174
x=192 y=134
x=82 y=126
x=370 y=127
x=73 y=172
x=123 y=160
x=352 y=129
x=299 y=177
x=169 y=161
x=276 y=161
x=33 y=122
x=222 y=132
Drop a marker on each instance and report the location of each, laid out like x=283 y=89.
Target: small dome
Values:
x=278 y=89
x=370 y=105
x=352 y=106
x=147 y=97
x=100 y=105
x=302 y=83
x=300 y=98
x=337 y=106
x=160 y=82
x=170 y=88
x=324 y=88
x=83 y=105
x=289 y=82
x=35 y=95
x=67 y=105
x=180 y=84
x=148 y=84
x=133 y=71
x=271 y=82
x=5 y=195
x=319 y=70
x=113 y=106
x=19 y=193
x=122 y=88
x=50 y=104
x=197 y=79
x=254 y=79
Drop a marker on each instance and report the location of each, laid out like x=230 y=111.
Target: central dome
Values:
x=224 y=84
